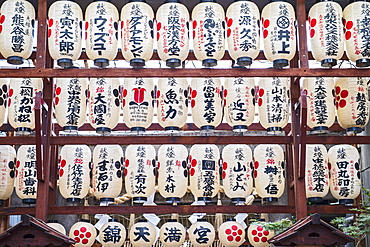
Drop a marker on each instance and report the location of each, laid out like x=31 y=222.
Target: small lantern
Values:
x=206 y=102
x=243 y=31
x=140 y=171
x=107 y=172
x=84 y=233
x=104 y=104
x=172 y=98
x=317 y=172
x=57 y=226
x=7 y=172
x=269 y=169
x=202 y=233
x=239 y=102
x=3 y=99
x=173 y=32
x=352 y=103
x=258 y=235
x=172 y=234
x=326 y=32
x=172 y=172
x=208 y=32
x=204 y=171
x=231 y=233
x=137 y=32
x=26 y=174
x=17 y=23
x=74 y=172
x=65 y=32
x=112 y=234
x=279 y=34
x=344 y=165
x=143 y=234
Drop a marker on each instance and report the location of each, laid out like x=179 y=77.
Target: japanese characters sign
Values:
x=7 y=171
x=112 y=234
x=201 y=234
x=142 y=234
x=172 y=234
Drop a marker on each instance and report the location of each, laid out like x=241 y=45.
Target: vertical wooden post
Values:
x=41 y=34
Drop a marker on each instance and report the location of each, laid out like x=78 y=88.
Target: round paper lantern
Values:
x=273 y=103
x=138 y=103
x=7 y=172
x=84 y=233
x=345 y=180
x=279 y=34
x=172 y=234
x=17 y=24
x=140 y=171
x=74 y=172
x=142 y=234
x=172 y=98
x=172 y=172
x=269 y=174
x=65 y=32
x=243 y=31
x=202 y=233
x=317 y=172
x=173 y=32
x=258 y=236
x=107 y=172
x=206 y=102
x=137 y=32
x=57 y=226
x=204 y=171
x=70 y=102
x=231 y=233
x=352 y=103
x=104 y=104
x=112 y=234
x=239 y=102
x=208 y=32
x=26 y=174
x=21 y=102
x=3 y=99
x=101 y=18
x=326 y=32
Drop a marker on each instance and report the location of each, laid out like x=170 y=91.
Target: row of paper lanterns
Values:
x=240 y=28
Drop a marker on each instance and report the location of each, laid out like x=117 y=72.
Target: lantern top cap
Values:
x=230 y=219
x=112 y=220
x=271 y=1
x=84 y=220
x=142 y=220
x=143 y=1
x=207 y=1
x=101 y=1
x=172 y=1
x=318 y=1
x=201 y=220
x=172 y=220
x=351 y=1
x=52 y=221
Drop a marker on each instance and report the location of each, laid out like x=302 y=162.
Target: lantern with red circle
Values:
x=258 y=235
x=202 y=233
x=57 y=226
x=84 y=233
x=172 y=234
x=231 y=233
x=3 y=99
x=142 y=234
x=7 y=172
x=112 y=234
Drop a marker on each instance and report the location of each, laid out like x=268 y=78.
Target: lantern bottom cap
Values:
x=244 y=61
x=329 y=62
x=209 y=62
x=29 y=201
x=106 y=199
x=172 y=199
x=319 y=130
x=15 y=60
x=139 y=199
x=354 y=130
x=137 y=63
x=240 y=128
x=23 y=130
x=315 y=199
x=173 y=62
x=103 y=130
x=280 y=63
x=345 y=201
x=274 y=130
x=172 y=128
x=70 y=129
x=101 y=62
x=270 y=199
x=207 y=127
x=204 y=199
x=74 y=200
x=237 y=199
x=138 y=129
x=363 y=62
x=65 y=62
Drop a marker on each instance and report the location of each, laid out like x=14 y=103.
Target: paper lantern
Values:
x=3 y=99
x=204 y=171
x=65 y=32
x=208 y=32
x=352 y=103
x=279 y=34
x=243 y=31
x=74 y=172
x=258 y=236
x=70 y=102
x=202 y=233
x=231 y=233
x=345 y=179
x=173 y=32
x=26 y=174
x=17 y=24
x=142 y=234
x=269 y=169
x=239 y=102
x=273 y=103
x=172 y=172
x=137 y=32
x=101 y=18
x=104 y=104
x=140 y=171
x=138 y=103
x=57 y=226
x=206 y=102
x=112 y=234
x=172 y=234
x=84 y=233
x=107 y=172
x=326 y=32
x=172 y=98
x=237 y=171
x=7 y=172
x=317 y=172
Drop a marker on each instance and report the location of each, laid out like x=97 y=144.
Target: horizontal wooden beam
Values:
x=17 y=210
x=328 y=209
x=19 y=140
x=338 y=139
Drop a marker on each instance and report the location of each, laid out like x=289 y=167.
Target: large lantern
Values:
x=208 y=32
x=204 y=171
x=345 y=182
x=172 y=96
x=172 y=234
x=352 y=103
x=231 y=233
x=239 y=102
x=137 y=32
x=57 y=226
x=84 y=233
x=243 y=32
x=65 y=32
x=7 y=172
x=3 y=99
x=269 y=174
x=173 y=32
x=104 y=104
x=17 y=25
x=206 y=102
x=279 y=34
x=74 y=172
x=140 y=171
x=112 y=234
x=326 y=32
x=258 y=235
x=142 y=234
x=202 y=233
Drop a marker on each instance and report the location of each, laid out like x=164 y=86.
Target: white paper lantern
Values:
x=7 y=171
x=202 y=233
x=172 y=234
x=57 y=226
x=142 y=234
x=112 y=234
x=3 y=99
x=84 y=233
x=231 y=233
x=258 y=236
